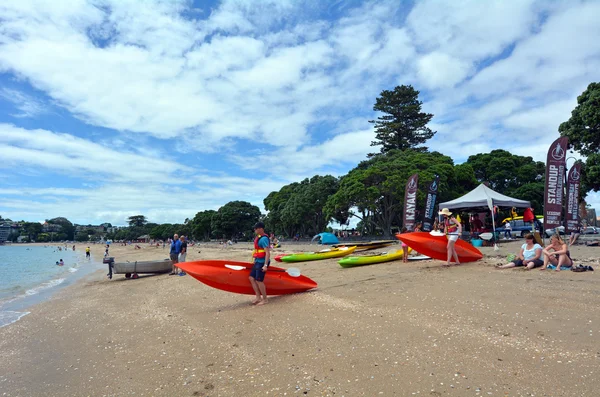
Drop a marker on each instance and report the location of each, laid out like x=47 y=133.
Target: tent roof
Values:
x=483 y=196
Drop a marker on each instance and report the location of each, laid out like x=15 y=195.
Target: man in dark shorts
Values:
x=262 y=258
x=175 y=250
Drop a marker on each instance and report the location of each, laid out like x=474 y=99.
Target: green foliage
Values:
x=583 y=128
x=512 y=175
x=504 y=171
x=299 y=207
x=275 y=203
x=42 y=238
x=590 y=174
x=201 y=225
x=164 y=231
x=375 y=188
x=67 y=227
x=235 y=220
x=31 y=230
x=137 y=220
x=583 y=131
x=403 y=126
x=82 y=236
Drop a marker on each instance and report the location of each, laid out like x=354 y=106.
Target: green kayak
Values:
x=315 y=256
x=352 y=261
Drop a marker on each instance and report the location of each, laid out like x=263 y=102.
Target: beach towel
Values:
x=553 y=267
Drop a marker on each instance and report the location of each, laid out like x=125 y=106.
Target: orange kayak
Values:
x=435 y=246
x=233 y=276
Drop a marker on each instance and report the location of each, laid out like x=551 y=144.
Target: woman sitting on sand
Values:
x=529 y=255
x=557 y=255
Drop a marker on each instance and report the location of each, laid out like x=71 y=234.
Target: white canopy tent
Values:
x=484 y=197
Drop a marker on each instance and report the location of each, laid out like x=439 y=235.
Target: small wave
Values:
x=46 y=285
x=9 y=317
x=73 y=269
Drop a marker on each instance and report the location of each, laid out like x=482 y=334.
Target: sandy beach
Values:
x=387 y=329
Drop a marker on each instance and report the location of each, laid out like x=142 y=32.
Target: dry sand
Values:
x=388 y=329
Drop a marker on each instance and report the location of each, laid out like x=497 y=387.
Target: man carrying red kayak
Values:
x=262 y=258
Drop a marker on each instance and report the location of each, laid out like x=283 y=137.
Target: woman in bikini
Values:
x=452 y=229
x=556 y=254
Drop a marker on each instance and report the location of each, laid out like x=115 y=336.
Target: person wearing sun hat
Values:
x=452 y=229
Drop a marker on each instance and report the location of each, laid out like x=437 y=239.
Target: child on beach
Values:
x=404 y=247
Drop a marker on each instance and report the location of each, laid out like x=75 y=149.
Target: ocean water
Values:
x=28 y=274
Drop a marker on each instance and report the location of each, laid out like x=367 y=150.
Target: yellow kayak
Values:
x=315 y=256
x=352 y=261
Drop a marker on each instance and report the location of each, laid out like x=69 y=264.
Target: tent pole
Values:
x=494 y=228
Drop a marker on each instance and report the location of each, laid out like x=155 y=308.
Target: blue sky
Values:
x=111 y=108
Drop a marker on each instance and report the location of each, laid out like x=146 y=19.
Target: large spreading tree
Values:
x=299 y=207
x=583 y=131
x=374 y=191
x=235 y=220
x=137 y=220
x=403 y=125
x=512 y=175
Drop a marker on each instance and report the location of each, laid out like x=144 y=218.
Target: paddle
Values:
x=292 y=271
x=486 y=236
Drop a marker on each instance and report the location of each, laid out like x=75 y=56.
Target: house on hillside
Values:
x=4 y=233
x=51 y=228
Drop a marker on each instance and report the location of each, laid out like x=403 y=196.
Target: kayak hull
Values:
x=365 y=246
x=316 y=256
x=214 y=274
x=435 y=246
x=143 y=267
x=353 y=261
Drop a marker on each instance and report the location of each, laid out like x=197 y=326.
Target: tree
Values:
x=201 y=225
x=299 y=207
x=403 y=126
x=512 y=175
x=31 y=229
x=66 y=227
x=81 y=237
x=137 y=220
x=275 y=203
x=583 y=128
x=235 y=219
x=374 y=190
x=583 y=131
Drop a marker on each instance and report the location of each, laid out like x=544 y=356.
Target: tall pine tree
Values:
x=403 y=125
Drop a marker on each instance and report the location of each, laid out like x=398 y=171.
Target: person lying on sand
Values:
x=529 y=255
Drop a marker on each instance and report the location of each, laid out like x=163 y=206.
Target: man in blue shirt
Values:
x=262 y=259
x=175 y=250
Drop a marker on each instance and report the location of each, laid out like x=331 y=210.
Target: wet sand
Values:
x=387 y=329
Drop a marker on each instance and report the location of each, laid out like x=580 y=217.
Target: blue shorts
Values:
x=257 y=272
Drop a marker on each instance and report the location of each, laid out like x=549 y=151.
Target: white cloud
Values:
x=67 y=154
x=275 y=74
x=439 y=70
x=28 y=106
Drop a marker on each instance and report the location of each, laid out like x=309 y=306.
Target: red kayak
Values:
x=435 y=246
x=233 y=276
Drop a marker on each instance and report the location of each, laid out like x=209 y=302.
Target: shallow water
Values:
x=29 y=274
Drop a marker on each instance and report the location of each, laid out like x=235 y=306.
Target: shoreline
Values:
x=13 y=308
x=384 y=329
